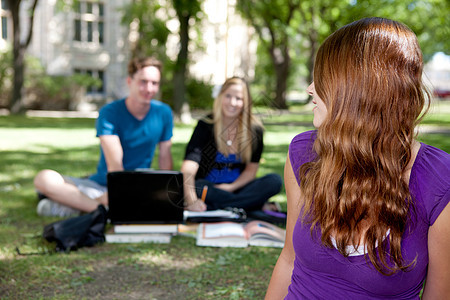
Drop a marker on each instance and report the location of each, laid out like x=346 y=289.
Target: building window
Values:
x=4 y=15
x=97 y=74
x=88 y=22
x=4 y=28
x=5 y=5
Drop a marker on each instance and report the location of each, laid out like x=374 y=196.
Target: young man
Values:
x=129 y=130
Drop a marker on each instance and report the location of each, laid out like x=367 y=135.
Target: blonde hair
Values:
x=246 y=122
x=369 y=75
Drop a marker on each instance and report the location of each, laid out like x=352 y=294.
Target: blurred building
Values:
x=437 y=75
x=91 y=39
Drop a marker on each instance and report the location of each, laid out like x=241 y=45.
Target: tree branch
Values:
x=30 y=29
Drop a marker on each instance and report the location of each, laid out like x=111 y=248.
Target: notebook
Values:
x=145 y=197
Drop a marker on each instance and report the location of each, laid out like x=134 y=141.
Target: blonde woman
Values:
x=368 y=212
x=222 y=156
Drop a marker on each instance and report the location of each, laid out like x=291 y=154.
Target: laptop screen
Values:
x=145 y=197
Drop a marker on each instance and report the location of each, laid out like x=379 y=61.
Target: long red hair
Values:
x=369 y=75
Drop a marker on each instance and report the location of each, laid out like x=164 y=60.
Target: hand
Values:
x=225 y=186
x=198 y=205
x=103 y=199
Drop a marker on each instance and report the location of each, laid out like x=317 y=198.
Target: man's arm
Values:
x=165 y=155
x=112 y=149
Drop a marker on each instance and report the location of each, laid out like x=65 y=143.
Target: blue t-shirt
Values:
x=137 y=137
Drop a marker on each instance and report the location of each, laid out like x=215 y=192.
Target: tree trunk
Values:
x=314 y=45
x=281 y=63
x=181 y=106
x=16 y=104
x=280 y=91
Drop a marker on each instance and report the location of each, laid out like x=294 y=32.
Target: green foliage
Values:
x=6 y=74
x=198 y=93
x=152 y=31
x=313 y=21
x=149 y=19
x=427 y=18
x=59 y=92
x=44 y=91
x=263 y=82
x=290 y=33
x=66 y=5
x=188 y=7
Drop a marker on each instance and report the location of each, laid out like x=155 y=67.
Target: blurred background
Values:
x=72 y=54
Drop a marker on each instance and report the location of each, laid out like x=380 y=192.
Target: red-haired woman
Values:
x=368 y=213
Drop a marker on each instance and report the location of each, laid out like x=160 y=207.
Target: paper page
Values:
x=223 y=229
x=265 y=230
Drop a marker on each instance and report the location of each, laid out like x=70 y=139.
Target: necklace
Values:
x=231 y=135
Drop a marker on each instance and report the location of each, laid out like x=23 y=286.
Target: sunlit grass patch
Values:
x=179 y=270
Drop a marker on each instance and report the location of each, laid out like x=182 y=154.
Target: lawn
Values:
x=178 y=270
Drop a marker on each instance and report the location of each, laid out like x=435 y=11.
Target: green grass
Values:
x=173 y=271
x=439 y=114
x=119 y=271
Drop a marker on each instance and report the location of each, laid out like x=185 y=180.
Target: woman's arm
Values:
x=437 y=285
x=189 y=169
x=281 y=276
x=246 y=176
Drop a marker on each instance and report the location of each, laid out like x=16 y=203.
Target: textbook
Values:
x=162 y=238
x=231 y=234
x=146 y=228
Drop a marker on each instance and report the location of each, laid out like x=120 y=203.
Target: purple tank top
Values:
x=323 y=273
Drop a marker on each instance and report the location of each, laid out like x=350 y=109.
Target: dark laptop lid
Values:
x=145 y=197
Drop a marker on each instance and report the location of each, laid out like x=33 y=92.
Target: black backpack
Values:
x=77 y=232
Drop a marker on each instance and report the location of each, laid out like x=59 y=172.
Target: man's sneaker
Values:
x=49 y=208
x=41 y=196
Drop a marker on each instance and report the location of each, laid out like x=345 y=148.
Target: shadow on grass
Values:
x=18 y=168
x=40 y=122
x=145 y=271
x=114 y=271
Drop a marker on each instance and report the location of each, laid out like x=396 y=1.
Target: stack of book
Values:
x=141 y=233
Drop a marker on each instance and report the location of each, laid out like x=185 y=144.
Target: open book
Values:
x=230 y=234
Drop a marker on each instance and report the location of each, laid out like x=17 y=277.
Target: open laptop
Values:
x=145 y=197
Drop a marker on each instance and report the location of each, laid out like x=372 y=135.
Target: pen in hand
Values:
x=205 y=190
